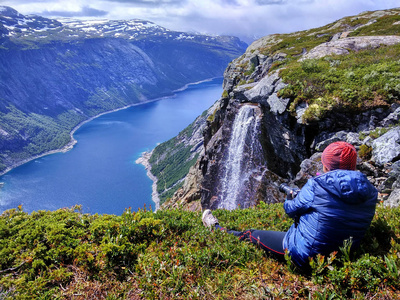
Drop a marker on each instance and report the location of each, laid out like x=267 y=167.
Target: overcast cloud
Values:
x=243 y=18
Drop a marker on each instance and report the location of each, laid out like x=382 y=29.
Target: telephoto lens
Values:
x=291 y=192
x=284 y=188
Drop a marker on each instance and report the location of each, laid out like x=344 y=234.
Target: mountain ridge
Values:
x=33 y=28
x=170 y=254
x=56 y=75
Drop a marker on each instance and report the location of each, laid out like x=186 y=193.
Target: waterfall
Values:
x=241 y=160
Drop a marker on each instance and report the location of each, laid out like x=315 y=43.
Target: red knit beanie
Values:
x=339 y=155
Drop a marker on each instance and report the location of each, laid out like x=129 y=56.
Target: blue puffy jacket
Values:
x=332 y=208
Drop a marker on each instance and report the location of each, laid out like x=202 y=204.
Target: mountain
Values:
x=284 y=101
x=55 y=74
x=286 y=109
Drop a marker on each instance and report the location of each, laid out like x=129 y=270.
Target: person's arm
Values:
x=302 y=202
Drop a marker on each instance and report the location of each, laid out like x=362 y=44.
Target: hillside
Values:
x=296 y=108
x=55 y=74
x=305 y=89
x=169 y=254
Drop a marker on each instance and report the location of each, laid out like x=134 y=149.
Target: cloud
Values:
x=230 y=2
x=85 y=11
x=243 y=18
x=150 y=3
x=271 y=2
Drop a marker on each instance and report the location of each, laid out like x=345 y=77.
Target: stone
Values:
x=394 y=175
x=278 y=105
x=391 y=119
x=263 y=89
x=345 y=45
x=396 y=184
x=394 y=169
x=300 y=110
x=338 y=136
x=309 y=168
x=387 y=147
x=353 y=138
x=368 y=169
x=368 y=141
x=393 y=200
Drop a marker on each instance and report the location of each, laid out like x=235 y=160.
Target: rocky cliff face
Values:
x=300 y=117
x=56 y=74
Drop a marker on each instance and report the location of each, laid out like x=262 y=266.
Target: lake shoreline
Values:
x=144 y=160
x=73 y=141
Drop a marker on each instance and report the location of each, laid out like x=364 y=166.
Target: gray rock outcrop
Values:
x=345 y=45
x=387 y=147
x=291 y=146
x=394 y=199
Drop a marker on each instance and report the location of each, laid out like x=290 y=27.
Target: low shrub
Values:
x=355 y=82
x=365 y=152
x=169 y=254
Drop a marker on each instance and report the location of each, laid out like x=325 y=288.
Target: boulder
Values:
x=263 y=89
x=387 y=147
x=394 y=199
x=277 y=104
x=345 y=45
x=338 y=136
x=309 y=168
x=391 y=119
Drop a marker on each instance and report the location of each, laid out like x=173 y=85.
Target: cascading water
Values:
x=243 y=158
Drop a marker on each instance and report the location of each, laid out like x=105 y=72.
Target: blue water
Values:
x=100 y=172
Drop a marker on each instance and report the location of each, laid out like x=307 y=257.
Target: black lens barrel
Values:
x=284 y=188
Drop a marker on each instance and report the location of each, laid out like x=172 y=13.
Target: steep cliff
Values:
x=337 y=82
x=56 y=74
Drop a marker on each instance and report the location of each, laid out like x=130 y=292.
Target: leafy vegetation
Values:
x=169 y=254
x=385 y=25
x=354 y=82
x=365 y=152
x=37 y=133
x=294 y=44
x=171 y=161
x=31 y=134
x=357 y=81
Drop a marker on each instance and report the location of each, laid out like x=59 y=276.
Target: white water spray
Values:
x=238 y=163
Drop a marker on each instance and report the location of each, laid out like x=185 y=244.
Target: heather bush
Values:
x=355 y=82
x=169 y=254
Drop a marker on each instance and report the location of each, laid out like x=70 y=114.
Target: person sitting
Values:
x=330 y=208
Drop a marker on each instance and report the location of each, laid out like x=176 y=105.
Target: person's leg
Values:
x=270 y=241
x=267 y=240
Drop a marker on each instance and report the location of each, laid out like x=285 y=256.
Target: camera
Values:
x=291 y=192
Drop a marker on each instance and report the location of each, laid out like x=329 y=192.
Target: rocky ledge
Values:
x=292 y=145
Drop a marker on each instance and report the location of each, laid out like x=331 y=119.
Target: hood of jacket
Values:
x=351 y=187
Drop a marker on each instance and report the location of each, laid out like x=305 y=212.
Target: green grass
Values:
x=31 y=134
x=171 y=161
x=383 y=26
x=170 y=255
x=36 y=133
x=293 y=44
x=355 y=82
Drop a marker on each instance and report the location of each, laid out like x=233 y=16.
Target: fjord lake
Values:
x=100 y=172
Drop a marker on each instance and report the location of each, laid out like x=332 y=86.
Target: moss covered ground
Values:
x=355 y=82
x=168 y=254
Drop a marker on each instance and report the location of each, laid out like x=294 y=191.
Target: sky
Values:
x=246 y=19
